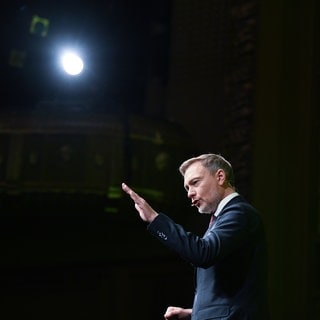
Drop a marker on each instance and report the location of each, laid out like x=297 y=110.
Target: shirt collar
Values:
x=224 y=201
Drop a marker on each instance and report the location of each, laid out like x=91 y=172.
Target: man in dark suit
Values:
x=230 y=258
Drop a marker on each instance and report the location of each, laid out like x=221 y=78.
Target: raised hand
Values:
x=146 y=212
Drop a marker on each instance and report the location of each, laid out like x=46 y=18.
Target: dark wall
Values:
x=286 y=153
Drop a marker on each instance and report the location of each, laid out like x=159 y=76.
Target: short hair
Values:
x=212 y=162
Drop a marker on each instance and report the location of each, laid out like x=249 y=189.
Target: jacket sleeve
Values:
x=232 y=230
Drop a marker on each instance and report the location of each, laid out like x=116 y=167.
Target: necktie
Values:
x=212 y=220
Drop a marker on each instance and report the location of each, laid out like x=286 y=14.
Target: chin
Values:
x=203 y=211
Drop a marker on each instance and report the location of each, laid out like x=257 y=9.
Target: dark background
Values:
x=163 y=81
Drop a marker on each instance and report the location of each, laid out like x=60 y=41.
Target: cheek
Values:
x=211 y=191
x=205 y=192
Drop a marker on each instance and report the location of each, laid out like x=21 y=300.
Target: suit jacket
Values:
x=230 y=261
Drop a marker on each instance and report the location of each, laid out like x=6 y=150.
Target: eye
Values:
x=194 y=182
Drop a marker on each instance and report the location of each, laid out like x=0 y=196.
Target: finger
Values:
x=134 y=196
x=128 y=190
x=125 y=188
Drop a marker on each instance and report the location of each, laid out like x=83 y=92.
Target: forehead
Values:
x=195 y=170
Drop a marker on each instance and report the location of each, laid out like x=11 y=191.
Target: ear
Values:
x=221 y=176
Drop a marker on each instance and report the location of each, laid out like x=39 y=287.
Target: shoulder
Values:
x=239 y=209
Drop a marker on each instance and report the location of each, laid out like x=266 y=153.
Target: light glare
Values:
x=72 y=63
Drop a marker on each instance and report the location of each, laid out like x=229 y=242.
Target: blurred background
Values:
x=94 y=93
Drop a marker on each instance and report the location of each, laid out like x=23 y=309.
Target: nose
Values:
x=191 y=192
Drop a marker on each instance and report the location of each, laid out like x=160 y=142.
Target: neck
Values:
x=228 y=191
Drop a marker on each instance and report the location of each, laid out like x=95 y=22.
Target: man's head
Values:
x=208 y=178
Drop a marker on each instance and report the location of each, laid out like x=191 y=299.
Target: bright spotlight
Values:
x=72 y=63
